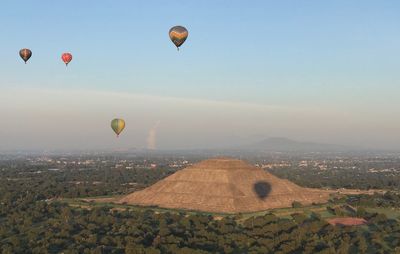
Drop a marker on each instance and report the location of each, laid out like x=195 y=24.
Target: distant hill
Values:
x=288 y=145
x=275 y=144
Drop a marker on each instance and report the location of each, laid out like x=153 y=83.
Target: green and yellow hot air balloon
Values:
x=117 y=125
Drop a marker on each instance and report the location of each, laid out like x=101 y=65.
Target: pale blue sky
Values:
x=333 y=56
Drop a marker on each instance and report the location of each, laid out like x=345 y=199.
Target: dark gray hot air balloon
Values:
x=25 y=54
x=178 y=35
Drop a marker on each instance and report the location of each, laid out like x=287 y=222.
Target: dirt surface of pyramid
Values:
x=224 y=185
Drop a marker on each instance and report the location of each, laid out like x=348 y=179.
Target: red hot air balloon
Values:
x=66 y=57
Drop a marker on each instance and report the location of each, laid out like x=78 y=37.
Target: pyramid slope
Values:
x=224 y=185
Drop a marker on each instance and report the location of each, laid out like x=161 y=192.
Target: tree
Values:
x=362 y=245
x=296 y=204
x=361 y=212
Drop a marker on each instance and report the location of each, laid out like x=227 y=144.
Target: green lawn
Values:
x=83 y=204
x=282 y=212
x=391 y=213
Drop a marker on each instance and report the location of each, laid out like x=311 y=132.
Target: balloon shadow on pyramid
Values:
x=262 y=189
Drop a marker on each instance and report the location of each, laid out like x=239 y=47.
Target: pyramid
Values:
x=224 y=185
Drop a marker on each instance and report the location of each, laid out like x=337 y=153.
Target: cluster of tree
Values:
x=386 y=200
x=352 y=178
x=30 y=222
x=39 y=227
x=69 y=183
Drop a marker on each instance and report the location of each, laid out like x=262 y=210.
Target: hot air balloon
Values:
x=66 y=57
x=117 y=125
x=25 y=54
x=178 y=35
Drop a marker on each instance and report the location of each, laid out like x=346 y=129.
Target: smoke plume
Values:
x=152 y=137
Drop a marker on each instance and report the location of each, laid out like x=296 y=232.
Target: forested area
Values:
x=41 y=183
x=351 y=178
x=387 y=200
x=33 y=220
x=39 y=227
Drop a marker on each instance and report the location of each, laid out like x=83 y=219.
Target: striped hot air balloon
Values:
x=178 y=35
x=117 y=125
x=25 y=54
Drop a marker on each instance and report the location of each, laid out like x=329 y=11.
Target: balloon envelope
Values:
x=178 y=35
x=66 y=57
x=25 y=54
x=117 y=125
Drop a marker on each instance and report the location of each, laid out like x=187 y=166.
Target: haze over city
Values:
x=319 y=72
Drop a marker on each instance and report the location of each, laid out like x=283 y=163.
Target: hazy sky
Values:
x=322 y=71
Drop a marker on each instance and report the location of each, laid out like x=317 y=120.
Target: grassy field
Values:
x=81 y=203
x=391 y=213
x=102 y=201
x=320 y=209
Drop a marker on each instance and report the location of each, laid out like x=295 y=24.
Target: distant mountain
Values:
x=288 y=145
x=275 y=144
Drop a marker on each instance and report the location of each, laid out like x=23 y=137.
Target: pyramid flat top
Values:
x=223 y=163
